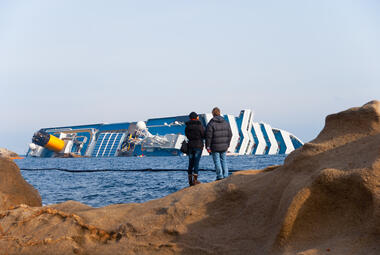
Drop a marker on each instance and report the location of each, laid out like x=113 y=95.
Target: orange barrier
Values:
x=17 y=157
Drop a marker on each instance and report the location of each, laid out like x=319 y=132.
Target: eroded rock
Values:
x=14 y=190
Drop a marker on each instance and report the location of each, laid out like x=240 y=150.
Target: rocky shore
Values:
x=325 y=199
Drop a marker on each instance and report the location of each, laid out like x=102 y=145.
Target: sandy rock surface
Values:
x=325 y=199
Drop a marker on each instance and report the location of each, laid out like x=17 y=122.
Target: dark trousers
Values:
x=194 y=158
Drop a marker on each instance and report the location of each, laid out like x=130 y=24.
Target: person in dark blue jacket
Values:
x=195 y=134
x=218 y=138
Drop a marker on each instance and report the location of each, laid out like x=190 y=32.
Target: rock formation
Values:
x=14 y=190
x=325 y=199
x=68 y=155
x=7 y=153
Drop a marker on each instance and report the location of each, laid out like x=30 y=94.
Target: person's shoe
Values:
x=218 y=178
x=196 y=179
x=191 y=183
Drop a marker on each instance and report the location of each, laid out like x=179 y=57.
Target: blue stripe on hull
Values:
x=266 y=138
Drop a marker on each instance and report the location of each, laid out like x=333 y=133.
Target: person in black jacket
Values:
x=218 y=138
x=195 y=133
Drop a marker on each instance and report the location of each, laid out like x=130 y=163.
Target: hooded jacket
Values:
x=218 y=134
x=195 y=132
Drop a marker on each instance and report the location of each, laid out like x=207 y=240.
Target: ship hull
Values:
x=163 y=137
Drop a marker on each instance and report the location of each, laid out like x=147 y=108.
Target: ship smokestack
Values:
x=42 y=138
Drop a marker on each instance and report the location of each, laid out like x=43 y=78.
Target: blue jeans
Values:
x=194 y=158
x=220 y=161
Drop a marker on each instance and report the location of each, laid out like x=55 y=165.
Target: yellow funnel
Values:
x=55 y=144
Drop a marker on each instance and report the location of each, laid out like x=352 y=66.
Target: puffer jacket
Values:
x=218 y=134
x=195 y=133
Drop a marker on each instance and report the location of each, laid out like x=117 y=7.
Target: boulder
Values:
x=325 y=199
x=14 y=190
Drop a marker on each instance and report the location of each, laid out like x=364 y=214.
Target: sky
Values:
x=79 y=62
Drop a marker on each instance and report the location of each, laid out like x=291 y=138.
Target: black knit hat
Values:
x=193 y=115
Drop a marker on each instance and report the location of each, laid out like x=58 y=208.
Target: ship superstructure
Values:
x=157 y=137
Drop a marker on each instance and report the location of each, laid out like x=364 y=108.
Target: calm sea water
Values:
x=122 y=180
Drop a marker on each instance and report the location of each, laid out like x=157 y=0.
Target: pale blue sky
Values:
x=78 y=62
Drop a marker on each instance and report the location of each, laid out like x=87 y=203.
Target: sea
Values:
x=99 y=182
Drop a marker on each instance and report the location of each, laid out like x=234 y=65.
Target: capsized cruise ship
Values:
x=157 y=137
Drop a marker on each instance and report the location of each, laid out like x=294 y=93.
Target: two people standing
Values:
x=218 y=137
